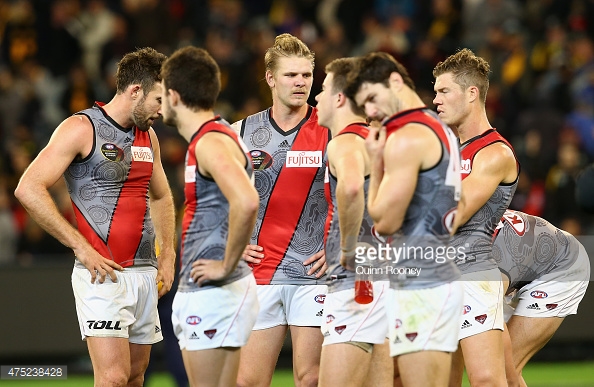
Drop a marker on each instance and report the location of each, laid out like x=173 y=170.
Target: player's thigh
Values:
x=344 y=364
x=484 y=356
x=425 y=368
x=110 y=355
x=207 y=367
x=307 y=348
x=530 y=334
x=259 y=356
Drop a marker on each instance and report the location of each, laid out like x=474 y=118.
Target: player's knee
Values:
x=487 y=377
x=307 y=379
x=252 y=380
x=113 y=378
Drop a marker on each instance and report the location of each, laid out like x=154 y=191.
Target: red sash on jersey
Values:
x=279 y=220
x=474 y=145
x=417 y=116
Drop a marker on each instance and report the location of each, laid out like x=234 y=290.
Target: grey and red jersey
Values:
x=205 y=225
x=423 y=240
x=289 y=174
x=527 y=247
x=475 y=237
x=109 y=191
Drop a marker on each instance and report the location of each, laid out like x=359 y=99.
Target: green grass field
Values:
x=579 y=374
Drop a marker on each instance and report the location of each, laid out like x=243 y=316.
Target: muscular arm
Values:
x=219 y=157
x=406 y=152
x=72 y=138
x=348 y=162
x=163 y=215
x=492 y=165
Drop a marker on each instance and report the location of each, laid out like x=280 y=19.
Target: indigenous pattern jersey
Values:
x=289 y=173
x=475 y=237
x=109 y=192
x=421 y=245
x=338 y=277
x=527 y=247
x=205 y=225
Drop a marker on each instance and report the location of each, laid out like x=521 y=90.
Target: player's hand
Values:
x=166 y=272
x=208 y=270
x=98 y=265
x=253 y=254
x=375 y=143
x=319 y=264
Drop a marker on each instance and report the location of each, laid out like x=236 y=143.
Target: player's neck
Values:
x=190 y=121
x=474 y=125
x=342 y=119
x=119 y=109
x=288 y=117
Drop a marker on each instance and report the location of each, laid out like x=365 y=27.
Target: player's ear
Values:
x=134 y=90
x=269 y=78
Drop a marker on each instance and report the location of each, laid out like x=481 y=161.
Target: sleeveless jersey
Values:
x=422 y=243
x=338 y=277
x=109 y=192
x=205 y=224
x=475 y=237
x=527 y=247
x=289 y=174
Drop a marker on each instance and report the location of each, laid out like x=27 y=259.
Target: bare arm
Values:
x=348 y=161
x=406 y=152
x=219 y=157
x=72 y=138
x=492 y=165
x=163 y=215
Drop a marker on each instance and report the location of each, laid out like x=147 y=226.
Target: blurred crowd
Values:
x=59 y=56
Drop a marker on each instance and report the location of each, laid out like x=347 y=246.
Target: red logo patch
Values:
x=339 y=329
x=551 y=306
x=481 y=318
x=210 y=333
x=411 y=336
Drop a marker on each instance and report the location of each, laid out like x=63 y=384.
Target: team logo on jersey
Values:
x=538 y=294
x=260 y=160
x=339 y=329
x=193 y=320
x=142 y=153
x=467 y=309
x=551 y=306
x=112 y=152
x=320 y=298
x=329 y=318
x=304 y=159
x=465 y=167
x=210 y=333
x=481 y=319
x=411 y=336
x=516 y=222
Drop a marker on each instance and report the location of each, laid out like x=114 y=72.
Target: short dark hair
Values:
x=467 y=70
x=142 y=66
x=375 y=67
x=340 y=69
x=195 y=75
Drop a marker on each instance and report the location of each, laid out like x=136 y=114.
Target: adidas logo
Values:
x=127 y=139
x=397 y=341
x=284 y=144
x=320 y=313
x=466 y=324
x=194 y=336
x=533 y=306
x=157 y=329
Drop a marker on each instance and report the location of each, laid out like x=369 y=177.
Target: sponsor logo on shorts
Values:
x=397 y=340
x=327 y=333
x=538 y=294
x=397 y=323
x=467 y=309
x=533 y=306
x=481 y=318
x=210 y=333
x=320 y=298
x=194 y=336
x=465 y=325
x=103 y=324
x=329 y=319
x=193 y=320
x=157 y=329
x=411 y=336
x=551 y=306
x=339 y=329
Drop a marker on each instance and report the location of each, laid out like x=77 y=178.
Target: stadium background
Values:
x=58 y=56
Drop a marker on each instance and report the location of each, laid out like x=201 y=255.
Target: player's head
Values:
x=460 y=80
x=139 y=74
x=332 y=95
x=289 y=70
x=376 y=83
x=192 y=76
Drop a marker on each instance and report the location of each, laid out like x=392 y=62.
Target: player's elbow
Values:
x=250 y=202
x=23 y=191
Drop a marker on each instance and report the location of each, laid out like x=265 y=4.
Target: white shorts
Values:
x=299 y=305
x=424 y=319
x=483 y=303
x=556 y=294
x=216 y=317
x=126 y=308
x=346 y=320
